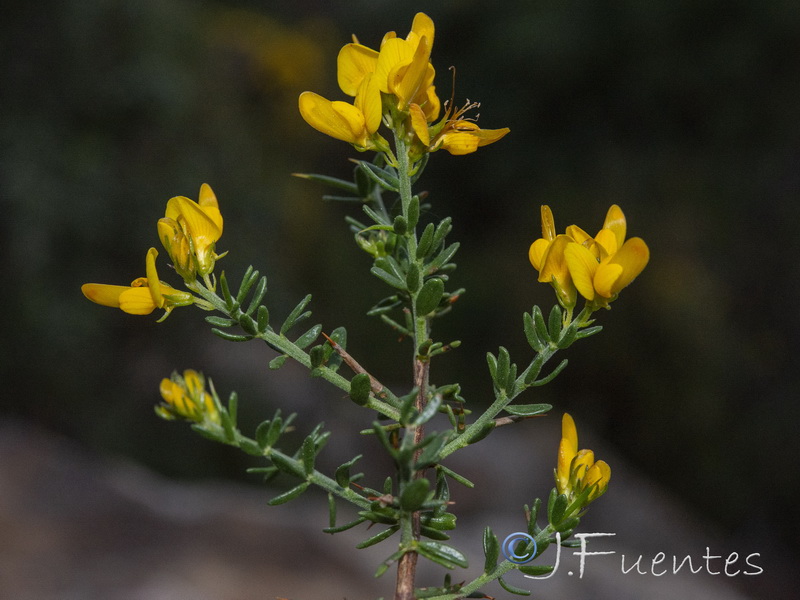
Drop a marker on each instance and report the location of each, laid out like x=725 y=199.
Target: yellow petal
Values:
x=153 y=283
x=554 y=265
x=607 y=242
x=353 y=63
x=423 y=27
x=105 y=295
x=431 y=104
x=582 y=267
x=626 y=264
x=395 y=53
x=537 y=251
x=173 y=207
x=368 y=101
x=459 y=143
x=605 y=279
x=548 y=223
x=565 y=456
x=578 y=234
x=208 y=202
x=615 y=221
x=419 y=124
x=200 y=226
x=321 y=115
x=137 y=301
x=569 y=432
x=405 y=82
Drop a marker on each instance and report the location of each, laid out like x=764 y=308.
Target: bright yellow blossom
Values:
x=395 y=83
x=596 y=267
x=547 y=256
x=602 y=266
x=142 y=296
x=190 y=231
x=576 y=471
x=186 y=397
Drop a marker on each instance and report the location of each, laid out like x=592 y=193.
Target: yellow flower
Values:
x=401 y=68
x=186 y=397
x=577 y=472
x=602 y=266
x=353 y=123
x=547 y=256
x=142 y=296
x=190 y=231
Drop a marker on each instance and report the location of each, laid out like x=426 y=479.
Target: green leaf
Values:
x=442 y=258
x=491 y=548
x=535 y=570
x=430 y=410
x=539 y=325
x=429 y=296
x=492 y=362
x=511 y=589
x=360 y=388
x=331 y=510
x=568 y=336
x=503 y=366
x=277 y=362
x=413 y=278
x=286 y=464
x=386 y=533
x=530 y=333
x=330 y=181
x=296 y=315
x=345 y=527
x=413 y=212
x=414 y=494
x=262 y=318
x=258 y=295
x=584 y=333
x=528 y=410
x=309 y=453
x=444 y=227
x=442 y=554
x=554 y=322
x=388 y=278
x=219 y=321
x=248 y=324
x=309 y=336
x=556 y=511
x=380 y=176
x=342 y=475
x=425 y=241
x=455 y=476
x=290 y=495
x=552 y=375
x=231 y=337
x=375 y=216
x=400 y=225
x=248 y=280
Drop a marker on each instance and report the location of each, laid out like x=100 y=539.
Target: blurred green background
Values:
x=683 y=112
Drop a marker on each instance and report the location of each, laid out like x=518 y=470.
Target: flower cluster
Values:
x=577 y=472
x=395 y=85
x=186 y=397
x=597 y=267
x=189 y=232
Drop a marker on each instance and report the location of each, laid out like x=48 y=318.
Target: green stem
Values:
x=498 y=571
x=502 y=399
x=284 y=345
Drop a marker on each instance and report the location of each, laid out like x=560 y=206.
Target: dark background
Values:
x=683 y=112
